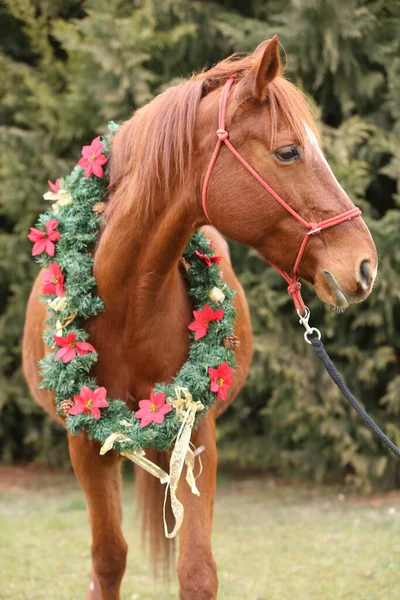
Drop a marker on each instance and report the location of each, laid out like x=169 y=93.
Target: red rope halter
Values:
x=294 y=284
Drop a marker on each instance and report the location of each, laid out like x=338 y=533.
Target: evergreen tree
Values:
x=69 y=66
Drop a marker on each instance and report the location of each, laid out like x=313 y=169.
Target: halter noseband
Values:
x=294 y=284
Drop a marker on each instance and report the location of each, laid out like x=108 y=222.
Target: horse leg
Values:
x=100 y=480
x=197 y=569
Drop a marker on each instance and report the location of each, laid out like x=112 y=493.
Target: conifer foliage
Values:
x=70 y=66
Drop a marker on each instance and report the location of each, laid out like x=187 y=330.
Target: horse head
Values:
x=270 y=126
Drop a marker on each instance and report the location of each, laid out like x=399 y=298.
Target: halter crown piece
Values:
x=292 y=279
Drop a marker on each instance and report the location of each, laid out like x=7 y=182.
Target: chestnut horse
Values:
x=159 y=159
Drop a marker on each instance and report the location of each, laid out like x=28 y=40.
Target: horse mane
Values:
x=154 y=148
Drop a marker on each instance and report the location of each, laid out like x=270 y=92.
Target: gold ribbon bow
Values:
x=181 y=454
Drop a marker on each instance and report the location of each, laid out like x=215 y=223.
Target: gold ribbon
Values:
x=137 y=457
x=181 y=454
x=62 y=198
x=178 y=458
x=59 y=303
x=183 y=401
x=63 y=323
x=190 y=462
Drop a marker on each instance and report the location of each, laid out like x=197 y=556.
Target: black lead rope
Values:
x=338 y=379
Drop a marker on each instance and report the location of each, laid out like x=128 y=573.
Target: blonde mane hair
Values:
x=154 y=148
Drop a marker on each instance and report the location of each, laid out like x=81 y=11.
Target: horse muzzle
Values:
x=337 y=289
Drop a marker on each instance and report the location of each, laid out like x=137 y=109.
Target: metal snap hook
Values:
x=303 y=320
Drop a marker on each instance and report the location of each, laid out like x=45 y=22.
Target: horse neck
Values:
x=137 y=260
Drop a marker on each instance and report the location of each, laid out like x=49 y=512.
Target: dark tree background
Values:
x=69 y=66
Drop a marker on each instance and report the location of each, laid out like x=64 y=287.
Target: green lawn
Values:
x=271 y=542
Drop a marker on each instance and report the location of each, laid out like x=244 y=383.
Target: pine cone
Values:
x=65 y=405
x=99 y=208
x=186 y=265
x=230 y=342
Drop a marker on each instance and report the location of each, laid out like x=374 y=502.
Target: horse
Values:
x=159 y=160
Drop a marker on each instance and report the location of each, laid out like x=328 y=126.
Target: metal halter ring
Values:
x=308 y=330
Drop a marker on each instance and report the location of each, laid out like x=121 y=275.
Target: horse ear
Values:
x=267 y=66
x=264 y=70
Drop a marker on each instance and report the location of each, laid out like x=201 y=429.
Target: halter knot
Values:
x=294 y=287
x=222 y=134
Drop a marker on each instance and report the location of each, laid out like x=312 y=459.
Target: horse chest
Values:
x=144 y=349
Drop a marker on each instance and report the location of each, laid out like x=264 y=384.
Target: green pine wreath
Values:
x=64 y=240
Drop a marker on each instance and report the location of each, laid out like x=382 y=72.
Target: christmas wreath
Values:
x=64 y=240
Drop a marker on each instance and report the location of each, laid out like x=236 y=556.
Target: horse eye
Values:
x=287 y=154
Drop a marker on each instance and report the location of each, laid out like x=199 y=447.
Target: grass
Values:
x=271 y=542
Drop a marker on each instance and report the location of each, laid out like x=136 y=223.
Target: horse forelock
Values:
x=153 y=150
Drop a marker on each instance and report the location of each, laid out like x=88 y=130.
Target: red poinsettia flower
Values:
x=43 y=240
x=221 y=380
x=154 y=409
x=89 y=402
x=202 y=319
x=55 y=187
x=208 y=259
x=93 y=159
x=70 y=347
x=53 y=280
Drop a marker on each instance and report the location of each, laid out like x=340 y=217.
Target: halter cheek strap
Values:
x=294 y=284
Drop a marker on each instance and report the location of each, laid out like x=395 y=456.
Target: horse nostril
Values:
x=365 y=274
